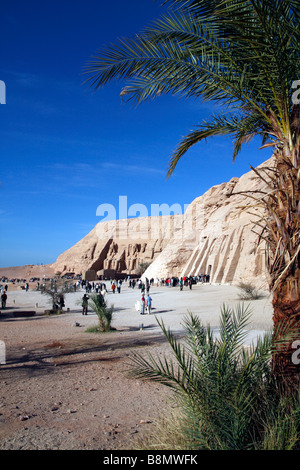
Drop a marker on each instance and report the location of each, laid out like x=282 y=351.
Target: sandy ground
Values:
x=27 y=271
x=63 y=388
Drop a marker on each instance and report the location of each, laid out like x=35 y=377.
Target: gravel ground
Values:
x=63 y=388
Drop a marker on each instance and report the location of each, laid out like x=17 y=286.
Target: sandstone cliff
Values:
x=215 y=236
x=120 y=245
x=218 y=237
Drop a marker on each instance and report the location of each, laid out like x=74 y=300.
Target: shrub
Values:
x=55 y=290
x=104 y=313
x=248 y=292
x=225 y=393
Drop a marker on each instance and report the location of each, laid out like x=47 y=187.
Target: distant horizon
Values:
x=66 y=150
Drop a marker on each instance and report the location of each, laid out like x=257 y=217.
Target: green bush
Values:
x=226 y=397
x=104 y=313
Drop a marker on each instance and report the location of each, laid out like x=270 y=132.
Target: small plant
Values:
x=249 y=292
x=104 y=313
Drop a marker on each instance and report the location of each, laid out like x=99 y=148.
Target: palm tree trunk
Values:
x=283 y=261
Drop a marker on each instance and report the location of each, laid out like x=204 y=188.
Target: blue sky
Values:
x=65 y=150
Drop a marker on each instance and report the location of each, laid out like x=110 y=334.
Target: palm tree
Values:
x=243 y=54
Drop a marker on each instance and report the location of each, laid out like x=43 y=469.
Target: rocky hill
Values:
x=119 y=246
x=215 y=236
x=218 y=237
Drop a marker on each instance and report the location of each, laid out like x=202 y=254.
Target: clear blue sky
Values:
x=65 y=150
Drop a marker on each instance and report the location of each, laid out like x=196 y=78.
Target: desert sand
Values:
x=27 y=271
x=63 y=388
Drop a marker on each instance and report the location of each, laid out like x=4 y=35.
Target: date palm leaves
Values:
x=243 y=54
x=224 y=389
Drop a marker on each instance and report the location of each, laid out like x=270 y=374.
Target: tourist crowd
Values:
x=143 y=285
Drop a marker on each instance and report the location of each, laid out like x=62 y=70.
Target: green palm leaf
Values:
x=249 y=61
x=243 y=128
x=217 y=381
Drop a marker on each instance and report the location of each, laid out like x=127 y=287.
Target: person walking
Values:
x=149 y=304
x=3 y=299
x=61 y=302
x=85 y=304
x=100 y=299
x=143 y=303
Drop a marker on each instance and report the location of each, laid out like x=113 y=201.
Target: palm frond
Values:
x=218 y=381
x=242 y=128
x=242 y=53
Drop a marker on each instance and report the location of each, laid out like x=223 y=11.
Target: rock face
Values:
x=215 y=236
x=118 y=246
